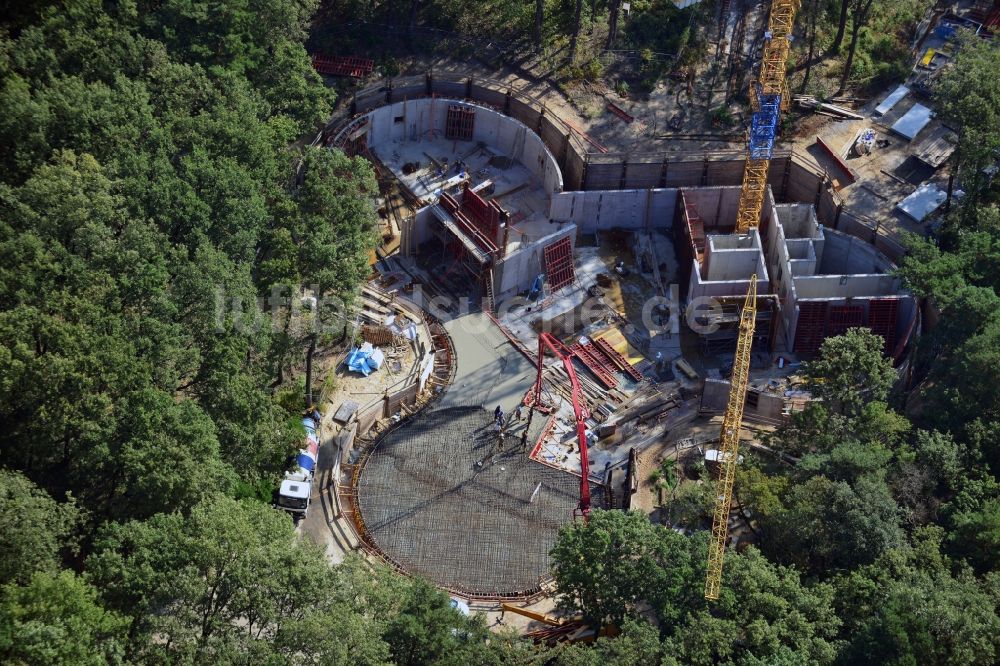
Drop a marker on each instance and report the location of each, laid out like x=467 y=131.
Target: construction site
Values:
x=589 y=315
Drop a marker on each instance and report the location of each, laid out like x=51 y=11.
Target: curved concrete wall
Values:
x=424 y=119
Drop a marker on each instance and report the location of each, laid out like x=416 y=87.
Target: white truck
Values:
x=295 y=492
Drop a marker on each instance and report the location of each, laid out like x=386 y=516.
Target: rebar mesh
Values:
x=438 y=498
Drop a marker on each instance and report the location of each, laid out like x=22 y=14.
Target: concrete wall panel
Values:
x=627 y=209
x=516 y=273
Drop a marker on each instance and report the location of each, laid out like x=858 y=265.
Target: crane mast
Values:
x=767 y=98
x=730 y=443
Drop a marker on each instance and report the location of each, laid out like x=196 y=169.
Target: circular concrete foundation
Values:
x=436 y=497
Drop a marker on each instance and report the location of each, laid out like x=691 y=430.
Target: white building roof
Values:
x=924 y=201
x=913 y=121
x=894 y=97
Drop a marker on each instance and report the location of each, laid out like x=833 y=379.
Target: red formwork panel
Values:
x=486 y=216
x=459 y=122
x=695 y=227
x=343 y=65
x=595 y=363
x=559 y=270
x=617 y=359
x=883 y=313
x=466 y=225
x=843 y=317
x=448 y=203
x=811 y=327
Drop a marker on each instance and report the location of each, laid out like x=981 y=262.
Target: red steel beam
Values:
x=580 y=413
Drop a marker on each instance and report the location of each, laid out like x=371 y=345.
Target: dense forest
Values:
x=154 y=190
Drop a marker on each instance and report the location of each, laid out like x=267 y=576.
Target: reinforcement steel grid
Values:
x=436 y=498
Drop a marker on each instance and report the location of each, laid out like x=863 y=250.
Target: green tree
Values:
x=37 y=531
x=58 y=619
x=826 y=525
x=968 y=97
x=637 y=645
x=976 y=536
x=213 y=585
x=913 y=606
x=604 y=567
x=764 y=615
x=427 y=630
x=337 y=220
x=851 y=371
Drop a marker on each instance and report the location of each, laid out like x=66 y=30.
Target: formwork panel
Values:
x=449 y=88
x=559 y=264
x=811 y=327
x=553 y=135
x=844 y=317
x=684 y=174
x=573 y=172
x=643 y=175
x=492 y=97
x=460 y=122
x=724 y=173
x=883 y=314
x=604 y=176
x=521 y=111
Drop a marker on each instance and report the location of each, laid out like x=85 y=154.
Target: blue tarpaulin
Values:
x=365 y=359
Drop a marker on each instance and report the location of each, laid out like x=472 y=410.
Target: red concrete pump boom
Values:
x=547 y=340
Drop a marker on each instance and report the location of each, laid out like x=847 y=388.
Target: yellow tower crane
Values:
x=768 y=98
x=731 y=423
